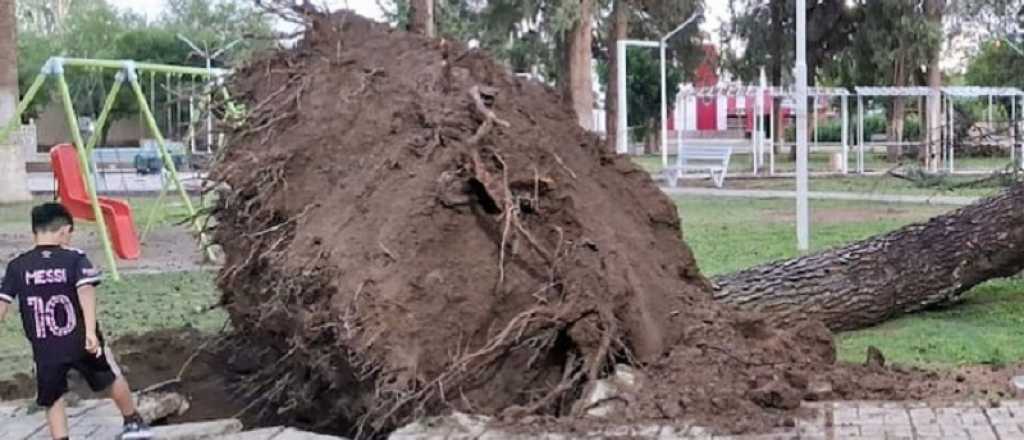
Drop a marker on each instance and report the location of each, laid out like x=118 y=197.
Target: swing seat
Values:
x=73 y=195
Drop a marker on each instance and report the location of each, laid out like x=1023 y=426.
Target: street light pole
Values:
x=802 y=204
x=205 y=53
x=664 y=85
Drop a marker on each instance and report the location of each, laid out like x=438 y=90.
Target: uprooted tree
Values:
x=910 y=269
x=410 y=229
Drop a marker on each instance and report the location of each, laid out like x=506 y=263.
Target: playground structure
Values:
x=113 y=218
x=751 y=110
x=742 y=118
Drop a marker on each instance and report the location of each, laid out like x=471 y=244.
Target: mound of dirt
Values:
x=156 y=358
x=411 y=229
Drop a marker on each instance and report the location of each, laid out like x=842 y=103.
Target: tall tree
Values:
x=928 y=156
x=618 y=31
x=13 y=181
x=421 y=17
x=911 y=269
x=577 y=81
x=767 y=29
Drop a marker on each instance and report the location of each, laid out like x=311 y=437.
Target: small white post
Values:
x=860 y=134
x=952 y=138
x=815 y=122
x=845 y=136
x=772 y=140
x=622 y=128
x=990 y=126
x=947 y=133
x=681 y=124
x=755 y=142
x=1013 y=129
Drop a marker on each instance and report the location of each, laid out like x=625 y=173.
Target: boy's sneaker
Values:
x=136 y=430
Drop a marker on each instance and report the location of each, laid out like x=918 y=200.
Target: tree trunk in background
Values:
x=895 y=152
x=934 y=9
x=619 y=31
x=896 y=123
x=904 y=271
x=578 y=83
x=13 y=180
x=421 y=17
x=775 y=70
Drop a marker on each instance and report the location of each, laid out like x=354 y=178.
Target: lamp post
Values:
x=802 y=204
x=663 y=46
x=205 y=53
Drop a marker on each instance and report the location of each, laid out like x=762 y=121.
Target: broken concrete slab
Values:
x=199 y=430
x=455 y=426
x=277 y=433
x=258 y=434
x=608 y=396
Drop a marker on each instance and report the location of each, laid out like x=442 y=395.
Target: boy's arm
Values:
x=87 y=297
x=7 y=292
x=87 y=277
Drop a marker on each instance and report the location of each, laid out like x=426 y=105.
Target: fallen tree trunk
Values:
x=916 y=267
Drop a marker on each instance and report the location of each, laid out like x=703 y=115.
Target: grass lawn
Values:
x=725 y=234
x=819 y=162
x=137 y=304
x=15 y=217
x=987 y=327
x=866 y=185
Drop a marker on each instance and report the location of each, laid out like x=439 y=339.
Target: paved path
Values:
x=100 y=420
x=822 y=195
x=115 y=183
x=971 y=420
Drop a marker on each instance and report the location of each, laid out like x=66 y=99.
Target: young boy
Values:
x=55 y=287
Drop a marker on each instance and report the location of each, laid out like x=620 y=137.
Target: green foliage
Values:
x=212 y=24
x=997 y=64
x=643 y=85
x=137 y=304
x=96 y=29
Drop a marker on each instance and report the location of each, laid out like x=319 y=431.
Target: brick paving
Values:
x=967 y=420
x=100 y=420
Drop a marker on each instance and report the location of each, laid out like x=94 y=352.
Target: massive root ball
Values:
x=411 y=229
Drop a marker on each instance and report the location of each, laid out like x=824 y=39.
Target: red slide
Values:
x=74 y=197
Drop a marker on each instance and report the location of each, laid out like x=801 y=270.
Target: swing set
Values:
x=113 y=217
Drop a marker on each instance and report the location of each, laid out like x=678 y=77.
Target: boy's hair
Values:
x=50 y=217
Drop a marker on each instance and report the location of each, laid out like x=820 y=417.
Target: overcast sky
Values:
x=717 y=10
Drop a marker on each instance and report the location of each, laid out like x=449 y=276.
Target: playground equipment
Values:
x=112 y=217
x=117 y=214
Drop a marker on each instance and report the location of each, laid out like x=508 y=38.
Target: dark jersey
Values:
x=45 y=282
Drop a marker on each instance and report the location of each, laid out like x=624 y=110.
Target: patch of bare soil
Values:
x=158 y=357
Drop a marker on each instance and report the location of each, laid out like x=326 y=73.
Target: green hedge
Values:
x=831 y=131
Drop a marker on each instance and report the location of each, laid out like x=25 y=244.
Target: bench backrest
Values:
x=713 y=156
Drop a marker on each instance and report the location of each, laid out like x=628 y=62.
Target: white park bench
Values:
x=714 y=160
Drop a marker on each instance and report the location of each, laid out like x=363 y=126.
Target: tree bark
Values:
x=13 y=179
x=421 y=17
x=578 y=83
x=896 y=118
x=934 y=9
x=619 y=31
x=904 y=271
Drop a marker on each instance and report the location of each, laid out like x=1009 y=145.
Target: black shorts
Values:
x=52 y=379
